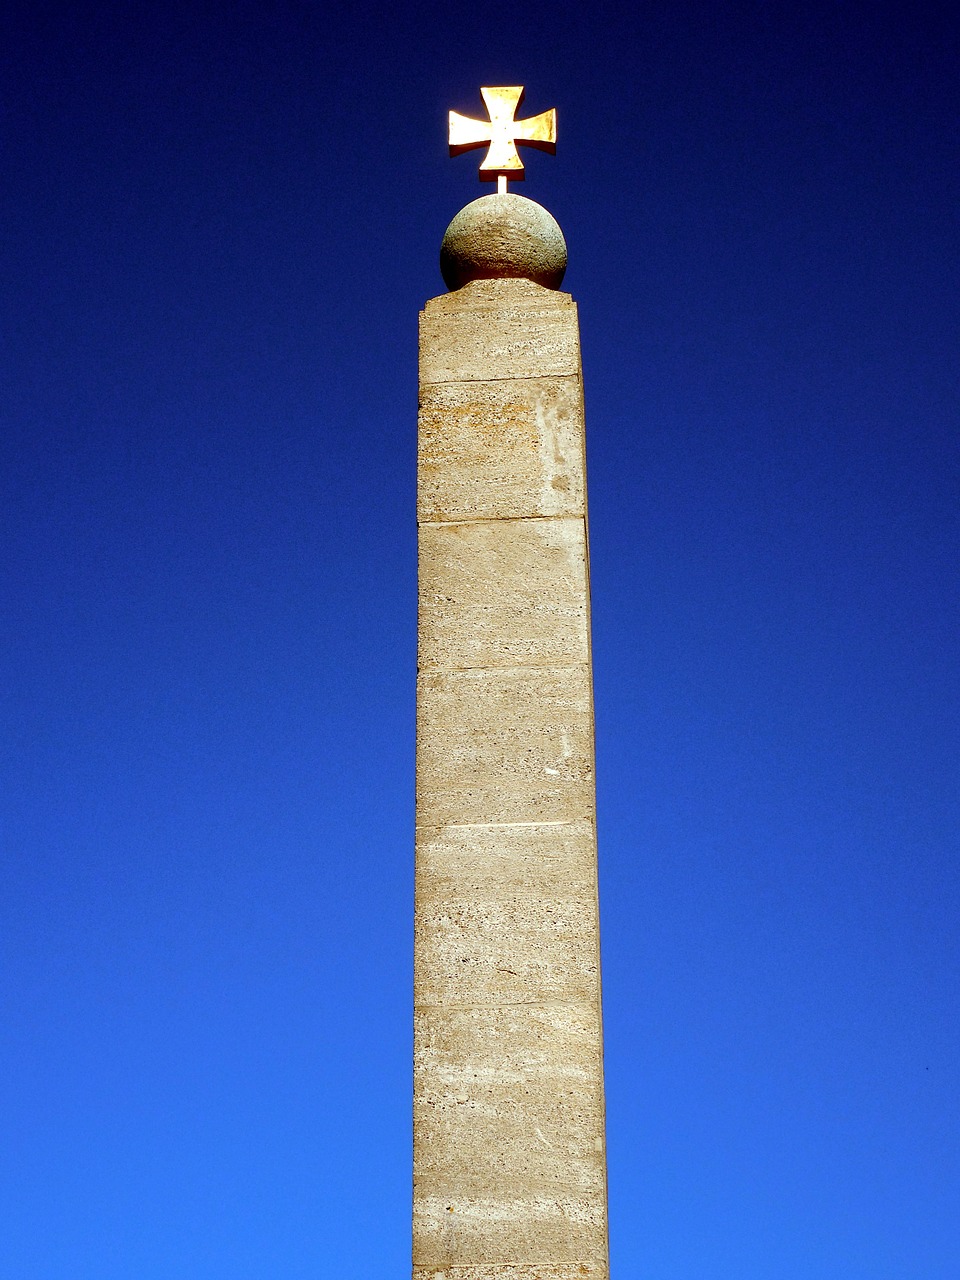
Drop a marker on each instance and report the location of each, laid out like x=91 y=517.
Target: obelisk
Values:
x=509 y=1162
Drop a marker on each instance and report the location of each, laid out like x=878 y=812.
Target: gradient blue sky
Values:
x=218 y=224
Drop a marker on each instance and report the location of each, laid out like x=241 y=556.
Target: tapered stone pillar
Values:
x=509 y=1163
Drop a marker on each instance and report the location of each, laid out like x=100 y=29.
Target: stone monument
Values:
x=509 y=1160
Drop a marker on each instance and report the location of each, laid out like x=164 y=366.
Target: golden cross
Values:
x=503 y=133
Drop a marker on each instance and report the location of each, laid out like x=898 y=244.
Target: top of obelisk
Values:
x=503 y=236
x=502 y=133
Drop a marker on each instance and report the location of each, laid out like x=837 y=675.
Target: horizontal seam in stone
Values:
x=519 y=377
x=485 y=1266
x=445 y=524
x=533 y=666
x=548 y=666
x=514 y=1004
x=467 y=1267
x=466 y=826
x=431 y=1269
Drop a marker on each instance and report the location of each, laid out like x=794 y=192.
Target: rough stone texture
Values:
x=492 y=329
x=506 y=915
x=540 y=1228
x=542 y=1271
x=503 y=236
x=520 y=1080
x=500 y=450
x=504 y=746
x=509 y=1163
x=499 y=592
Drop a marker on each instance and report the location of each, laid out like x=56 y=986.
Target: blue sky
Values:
x=218 y=224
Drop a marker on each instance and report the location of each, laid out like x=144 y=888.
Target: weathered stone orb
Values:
x=503 y=237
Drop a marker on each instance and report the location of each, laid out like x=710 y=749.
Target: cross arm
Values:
x=466 y=133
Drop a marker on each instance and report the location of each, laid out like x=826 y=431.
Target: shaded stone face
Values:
x=509 y=1163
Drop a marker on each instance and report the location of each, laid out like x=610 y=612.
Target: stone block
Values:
x=493 y=329
x=508 y=1099
x=505 y=746
x=503 y=593
x=506 y=914
x=544 y=1230
x=500 y=450
x=508 y=1135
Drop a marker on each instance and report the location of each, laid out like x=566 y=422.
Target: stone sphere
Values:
x=503 y=237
